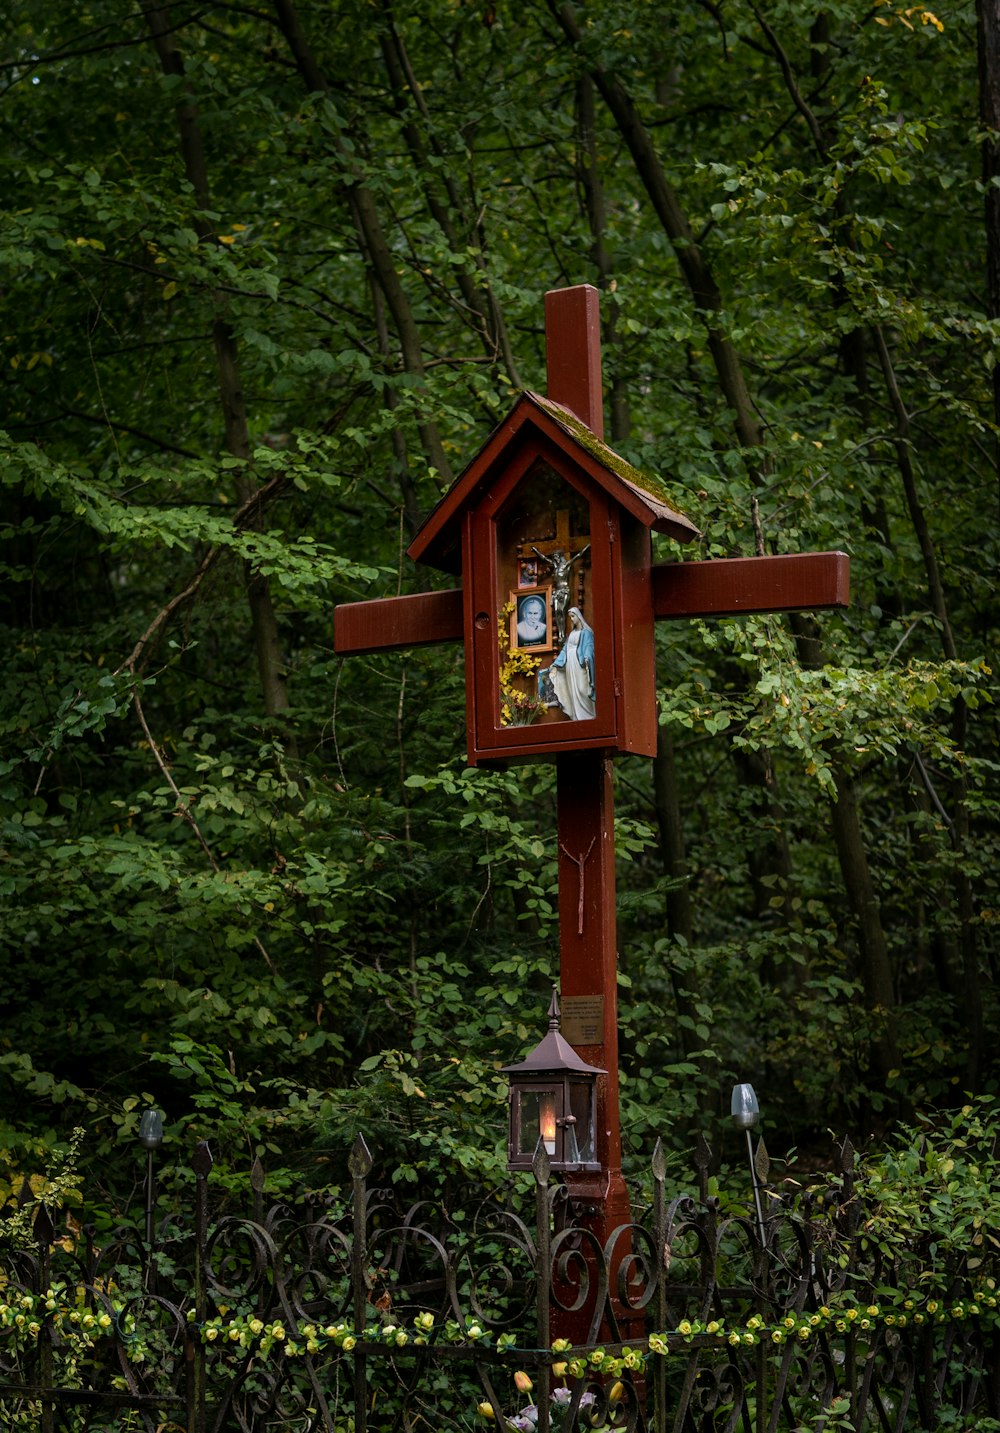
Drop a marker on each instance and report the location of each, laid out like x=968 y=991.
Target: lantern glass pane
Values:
x=538 y=1121
x=581 y=1098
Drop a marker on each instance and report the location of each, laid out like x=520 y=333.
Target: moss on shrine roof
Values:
x=439 y=539
x=646 y=483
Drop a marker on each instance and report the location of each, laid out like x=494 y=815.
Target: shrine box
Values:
x=550 y=531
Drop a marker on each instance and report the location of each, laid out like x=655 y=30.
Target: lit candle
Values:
x=547 y=1122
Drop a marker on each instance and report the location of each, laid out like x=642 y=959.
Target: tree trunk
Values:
x=873 y=952
x=693 y=266
x=267 y=644
x=668 y=818
x=589 y=175
x=675 y=867
x=375 y=246
x=959 y=826
x=904 y=460
x=769 y=856
x=853 y=353
x=988 y=35
x=480 y=301
x=875 y=970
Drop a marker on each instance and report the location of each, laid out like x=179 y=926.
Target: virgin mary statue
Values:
x=571 y=675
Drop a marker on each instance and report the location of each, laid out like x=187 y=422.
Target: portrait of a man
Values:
x=531 y=620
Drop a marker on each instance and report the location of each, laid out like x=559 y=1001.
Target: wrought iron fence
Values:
x=304 y=1316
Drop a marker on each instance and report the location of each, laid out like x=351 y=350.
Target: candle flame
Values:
x=547 y=1122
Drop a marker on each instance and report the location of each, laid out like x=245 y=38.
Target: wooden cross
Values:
x=716 y=587
x=562 y=542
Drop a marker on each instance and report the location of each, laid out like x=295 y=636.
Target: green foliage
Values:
x=53 y=1190
x=937 y=1187
x=252 y=883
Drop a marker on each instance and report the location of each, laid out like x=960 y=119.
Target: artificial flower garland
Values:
x=27 y=1316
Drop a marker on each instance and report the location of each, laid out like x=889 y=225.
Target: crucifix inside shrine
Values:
x=550 y=533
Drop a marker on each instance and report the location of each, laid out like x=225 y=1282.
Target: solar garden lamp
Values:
x=746 y=1115
x=150 y=1137
x=552 y=1103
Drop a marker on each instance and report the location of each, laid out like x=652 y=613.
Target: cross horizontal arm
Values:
x=389 y=623
x=716 y=587
x=726 y=586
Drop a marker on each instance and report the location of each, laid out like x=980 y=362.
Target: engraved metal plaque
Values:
x=583 y=1019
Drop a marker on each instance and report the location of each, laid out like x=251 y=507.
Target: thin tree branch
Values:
x=162 y=443
x=183 y=810
x=815 y=128
x=245 y=515
x=904 y=457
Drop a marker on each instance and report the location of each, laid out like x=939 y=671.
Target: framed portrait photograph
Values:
x=531 y=620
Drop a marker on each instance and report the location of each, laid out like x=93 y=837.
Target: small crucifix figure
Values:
x=559 y=554
x=560 y=565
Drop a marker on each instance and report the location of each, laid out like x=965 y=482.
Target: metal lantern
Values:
x=553 y=1097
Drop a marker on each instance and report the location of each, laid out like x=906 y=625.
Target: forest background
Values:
x=270 y=275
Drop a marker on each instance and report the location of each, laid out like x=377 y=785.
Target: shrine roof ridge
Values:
x=643 y=494
x=647 y=486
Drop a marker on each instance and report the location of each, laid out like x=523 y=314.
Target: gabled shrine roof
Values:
x=439 y=540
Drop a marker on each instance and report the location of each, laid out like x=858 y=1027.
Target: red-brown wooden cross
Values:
x=711 y=588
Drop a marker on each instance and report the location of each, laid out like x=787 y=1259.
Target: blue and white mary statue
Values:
x=571 y=675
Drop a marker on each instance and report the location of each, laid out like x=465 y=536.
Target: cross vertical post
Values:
x=573 y=353
x=587 y=930
x=588 y=945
